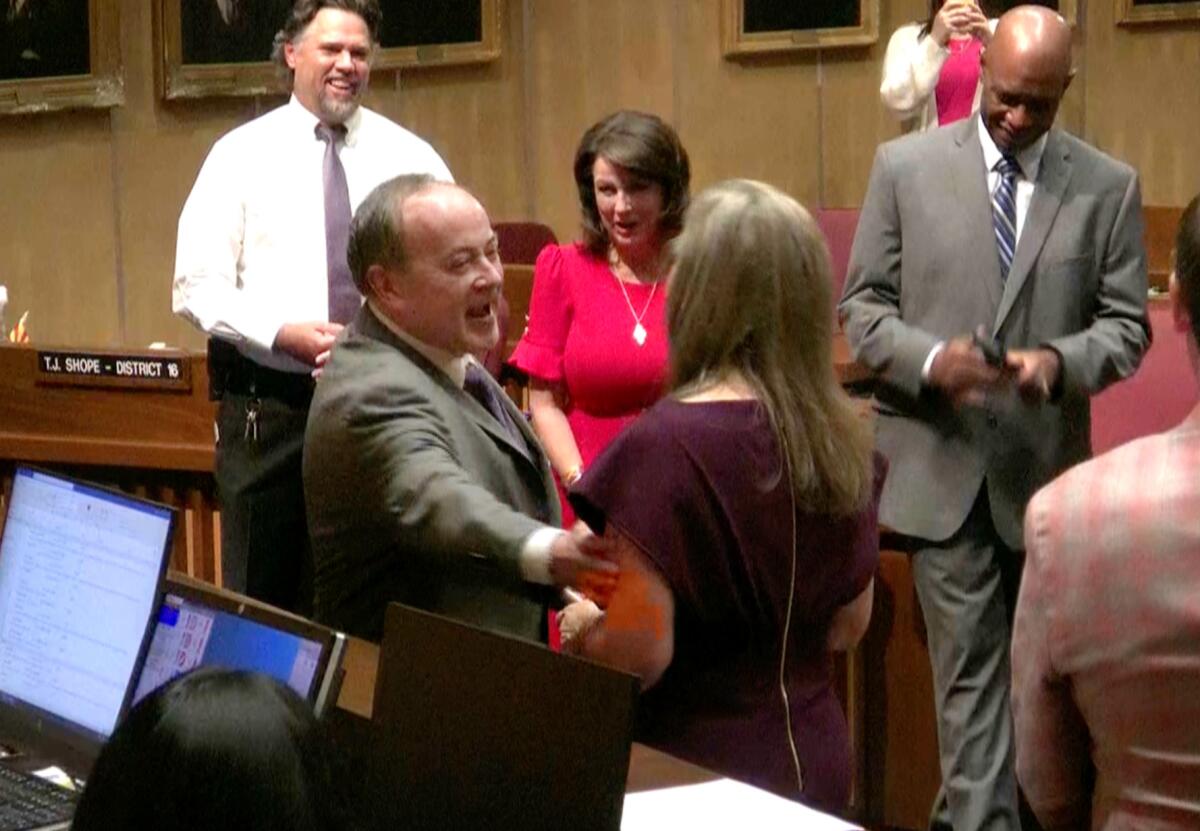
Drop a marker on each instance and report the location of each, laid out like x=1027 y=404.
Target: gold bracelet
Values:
x=573 y=475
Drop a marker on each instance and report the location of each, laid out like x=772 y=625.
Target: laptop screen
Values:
x=191 y=633
x=79 y=575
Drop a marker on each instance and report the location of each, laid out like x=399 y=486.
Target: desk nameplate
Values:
x=160 y=370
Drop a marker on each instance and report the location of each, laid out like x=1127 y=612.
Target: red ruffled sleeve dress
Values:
x=581 y=331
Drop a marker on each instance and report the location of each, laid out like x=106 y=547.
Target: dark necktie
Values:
x=344 y=298
x=1004 y=212
x=488 y=394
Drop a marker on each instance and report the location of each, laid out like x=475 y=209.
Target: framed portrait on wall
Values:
x=1067 y=8
x=751 y=27
x=223 y=47
x=59 y=54
x=1156 y=11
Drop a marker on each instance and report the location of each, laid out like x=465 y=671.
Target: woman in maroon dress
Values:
x=595 y=348
x=742 y=509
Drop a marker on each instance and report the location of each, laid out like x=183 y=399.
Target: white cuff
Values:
x=928 y=365
x=535 y=555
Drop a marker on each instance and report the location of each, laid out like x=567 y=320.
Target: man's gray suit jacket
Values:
x=416 y=493
x=924 y=268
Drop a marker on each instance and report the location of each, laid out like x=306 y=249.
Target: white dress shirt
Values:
x=1030 y=161
x=250 y=253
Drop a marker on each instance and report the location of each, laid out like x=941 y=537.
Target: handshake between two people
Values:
x=585 y=562
x=588 y=573
x=968 y=369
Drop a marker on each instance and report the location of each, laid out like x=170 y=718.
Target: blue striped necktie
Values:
x=1004 y=212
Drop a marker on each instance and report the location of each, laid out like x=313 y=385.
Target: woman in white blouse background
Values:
x=931 y=73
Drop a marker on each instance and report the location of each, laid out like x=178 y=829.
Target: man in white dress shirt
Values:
x=261 y=266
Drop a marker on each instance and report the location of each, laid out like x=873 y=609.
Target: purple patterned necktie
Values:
x=477 y=386
x=344 y=298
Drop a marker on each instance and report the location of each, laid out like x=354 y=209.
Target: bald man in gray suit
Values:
x=423 y=482
x=997 y=280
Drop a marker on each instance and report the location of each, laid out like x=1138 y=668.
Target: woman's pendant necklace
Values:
x=639 y=331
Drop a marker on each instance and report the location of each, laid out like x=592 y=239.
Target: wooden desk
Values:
x=73 y=425
x=155 y=443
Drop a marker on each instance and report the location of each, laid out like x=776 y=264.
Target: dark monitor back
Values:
x=481 y=730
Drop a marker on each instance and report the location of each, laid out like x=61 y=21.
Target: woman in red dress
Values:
x=595 y=348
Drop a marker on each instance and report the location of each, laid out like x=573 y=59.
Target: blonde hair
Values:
x=751 y=293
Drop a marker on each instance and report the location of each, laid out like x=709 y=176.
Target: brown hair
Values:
x=751 y=292
x=303 y=14
x=377 y=230
x=1187 y=262
x=646 y=145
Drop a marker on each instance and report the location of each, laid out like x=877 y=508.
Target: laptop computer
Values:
x=481 y=730
x=81 y=571
x=201 y=625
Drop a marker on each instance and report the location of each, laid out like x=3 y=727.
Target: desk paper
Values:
x=722 y=804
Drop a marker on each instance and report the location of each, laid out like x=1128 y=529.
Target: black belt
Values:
x=229 y=371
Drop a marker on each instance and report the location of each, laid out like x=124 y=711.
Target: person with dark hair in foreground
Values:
x=742 y=509
x=1106 y=641
x=211 y=751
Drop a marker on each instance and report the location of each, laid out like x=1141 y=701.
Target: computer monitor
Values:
x=81 y=570
x=476 y=729
x=200 y=625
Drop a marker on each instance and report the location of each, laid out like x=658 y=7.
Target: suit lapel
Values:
x=974 y=209
x=1048 y=191
x=494 y=428
x=370 y=325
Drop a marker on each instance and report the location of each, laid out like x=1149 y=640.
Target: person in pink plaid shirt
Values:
x=1106 y=641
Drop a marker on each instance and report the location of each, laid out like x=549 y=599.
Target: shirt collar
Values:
x=454 y=366
x=1030 y=159
x=305 y=116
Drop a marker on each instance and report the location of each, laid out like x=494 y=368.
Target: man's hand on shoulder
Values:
x=308 y=342
x=961 y=373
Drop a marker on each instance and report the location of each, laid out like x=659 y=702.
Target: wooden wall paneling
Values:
x=1162 y=223
x=204 y=533
x=756 y=118
x=167 y=494
x=473 y=116
x=158 y=148
x=902 y=769
x=1072 y=112
x=1139 y=107
x=853 y=119
x=586 y=60
x=57 y=244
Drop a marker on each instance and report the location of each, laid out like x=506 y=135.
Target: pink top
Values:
x=580 y=332
x=957 y=81
x=1106 y=641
